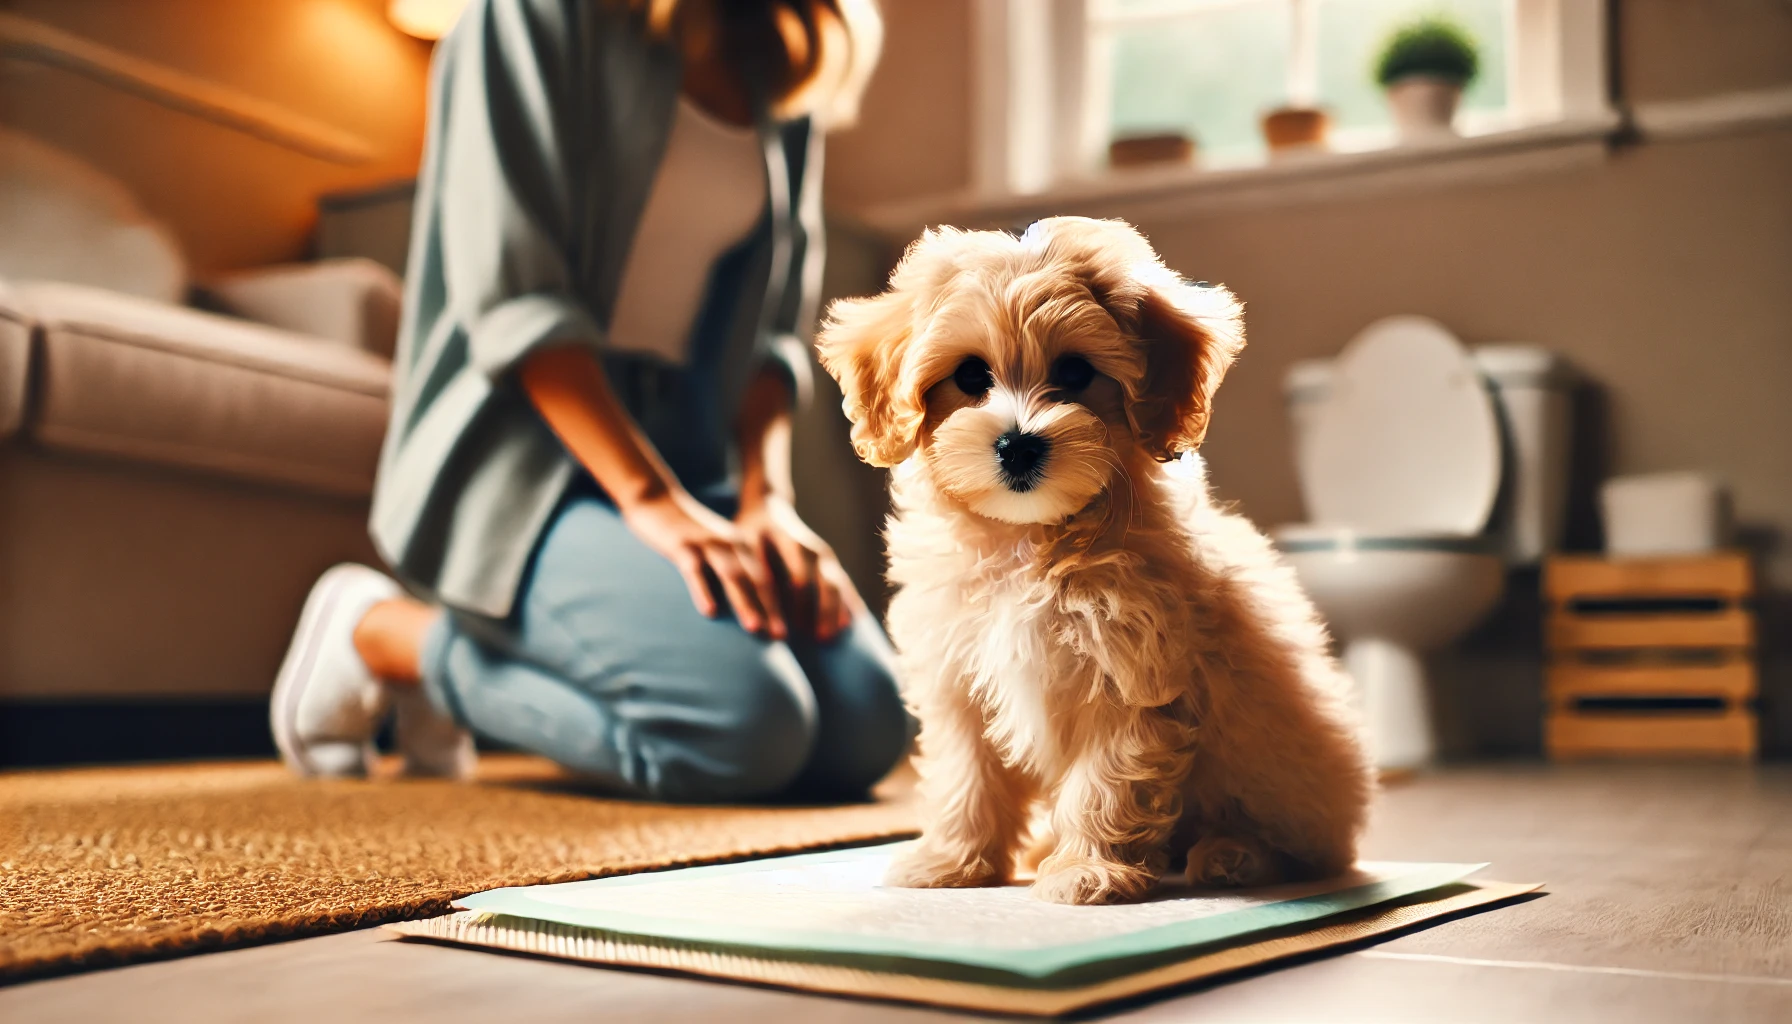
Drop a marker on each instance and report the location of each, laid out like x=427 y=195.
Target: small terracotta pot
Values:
x=1295 y=128
x=1424 y=106
x=1140 y=150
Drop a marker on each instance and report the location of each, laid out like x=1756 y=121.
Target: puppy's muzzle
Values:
x=1022 y=458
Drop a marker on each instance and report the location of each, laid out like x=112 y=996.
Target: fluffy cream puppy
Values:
x=1097 y=653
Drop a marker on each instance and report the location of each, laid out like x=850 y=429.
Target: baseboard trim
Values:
x=43 y=733
x=38 y=733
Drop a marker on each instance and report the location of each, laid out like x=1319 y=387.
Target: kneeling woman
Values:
x=585 y=481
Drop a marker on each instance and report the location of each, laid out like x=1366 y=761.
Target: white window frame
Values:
x=1040 y=102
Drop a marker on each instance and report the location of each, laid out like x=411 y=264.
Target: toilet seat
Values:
x=1407 y=442
x=1400 y=477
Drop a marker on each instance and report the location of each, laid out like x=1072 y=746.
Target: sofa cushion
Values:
x=143 y=380
x=66 y=220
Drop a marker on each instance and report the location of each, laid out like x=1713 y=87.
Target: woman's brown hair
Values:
x=816 y=55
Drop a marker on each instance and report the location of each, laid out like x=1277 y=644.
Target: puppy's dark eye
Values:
x=973 y=377
x=1072 y=373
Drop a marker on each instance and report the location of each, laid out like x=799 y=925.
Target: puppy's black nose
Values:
x=1021 y=456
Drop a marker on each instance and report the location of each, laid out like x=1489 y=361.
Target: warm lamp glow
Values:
x=425 y=19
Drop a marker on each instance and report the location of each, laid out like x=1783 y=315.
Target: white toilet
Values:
x=1426 y=470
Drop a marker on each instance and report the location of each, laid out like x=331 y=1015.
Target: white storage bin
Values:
x=1662 y=514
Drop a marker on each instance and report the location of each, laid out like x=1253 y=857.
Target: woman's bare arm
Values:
x=763 y=432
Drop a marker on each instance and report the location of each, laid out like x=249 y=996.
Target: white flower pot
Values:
x=1424 y=107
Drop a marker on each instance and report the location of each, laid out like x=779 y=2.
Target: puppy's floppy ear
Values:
x=861 y=345
x=865 y=343
x=1191 y=334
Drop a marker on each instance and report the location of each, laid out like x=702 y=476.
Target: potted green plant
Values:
x=1424 y=66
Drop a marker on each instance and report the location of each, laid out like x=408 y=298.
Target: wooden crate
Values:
x=1650 y=657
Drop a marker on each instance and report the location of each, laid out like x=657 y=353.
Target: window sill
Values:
x=1305 y=178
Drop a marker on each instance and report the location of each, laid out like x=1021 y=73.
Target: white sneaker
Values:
x=433 y=745
x=327 y=705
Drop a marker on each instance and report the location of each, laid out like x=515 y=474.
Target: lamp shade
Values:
x=425 y=19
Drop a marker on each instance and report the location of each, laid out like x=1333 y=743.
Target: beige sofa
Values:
x=171 y=482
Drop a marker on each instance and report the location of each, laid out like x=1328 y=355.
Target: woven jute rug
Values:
x=108 y=866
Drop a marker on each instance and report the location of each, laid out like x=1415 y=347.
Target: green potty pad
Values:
x=824 y=921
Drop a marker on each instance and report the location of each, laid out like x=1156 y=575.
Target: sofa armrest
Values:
x=353 y=302
x=15 y=361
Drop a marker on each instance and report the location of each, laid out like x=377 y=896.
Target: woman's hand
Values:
x=702 y=545
x=819 y=597
x=568 y=387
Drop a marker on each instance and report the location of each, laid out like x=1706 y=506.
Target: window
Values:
x=1058 y=79
x=1211 y=68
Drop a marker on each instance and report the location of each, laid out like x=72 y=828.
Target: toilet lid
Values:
x=1408 y=438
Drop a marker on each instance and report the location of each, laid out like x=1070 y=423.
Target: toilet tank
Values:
x=1531 y=387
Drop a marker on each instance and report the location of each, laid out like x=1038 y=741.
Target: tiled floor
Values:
x=1670 y=899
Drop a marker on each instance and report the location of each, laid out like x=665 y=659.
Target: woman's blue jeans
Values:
x=606 y=668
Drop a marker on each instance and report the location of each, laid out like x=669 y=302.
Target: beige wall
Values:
x=914 y=135
x=1663 y=272
x=1675 y=49
x=232 y=200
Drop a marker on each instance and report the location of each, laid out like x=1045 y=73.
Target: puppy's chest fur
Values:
x=1021 y=640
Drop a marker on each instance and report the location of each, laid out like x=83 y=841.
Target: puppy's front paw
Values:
x=1232 y=863
x=1091 y=882
x=927 y=868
